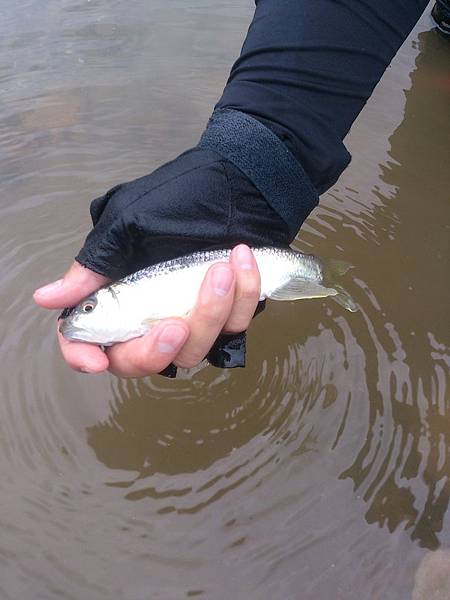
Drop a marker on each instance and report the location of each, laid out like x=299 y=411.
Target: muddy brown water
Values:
x=321 y=471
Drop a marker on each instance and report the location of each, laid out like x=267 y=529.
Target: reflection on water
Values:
x=432 y=581
x=403 y=469
x=216 y=432
x=322 y=469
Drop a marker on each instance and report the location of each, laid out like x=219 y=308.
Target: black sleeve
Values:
x=307 y=68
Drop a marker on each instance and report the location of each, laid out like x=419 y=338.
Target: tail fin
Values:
x=295 y=289
x=333 y=269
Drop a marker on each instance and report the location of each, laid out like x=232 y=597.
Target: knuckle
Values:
x=237 y=325
x=148 y=364
x=249 y=287
x=140 y=364
x=120 y=367
x=210 y=315
x=248 y=293
x=187 y=362
x=125 y=363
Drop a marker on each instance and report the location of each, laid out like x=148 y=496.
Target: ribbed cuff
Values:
x=265 y=160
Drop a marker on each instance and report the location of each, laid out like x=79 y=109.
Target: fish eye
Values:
x=88 y=307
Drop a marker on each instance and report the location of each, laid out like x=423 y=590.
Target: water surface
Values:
x=321 y=470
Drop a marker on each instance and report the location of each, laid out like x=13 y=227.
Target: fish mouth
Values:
x=70 y=331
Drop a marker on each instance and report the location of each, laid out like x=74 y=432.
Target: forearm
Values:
x=307 y=68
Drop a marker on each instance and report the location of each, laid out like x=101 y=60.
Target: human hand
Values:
x=227 y=302
x=197 y=201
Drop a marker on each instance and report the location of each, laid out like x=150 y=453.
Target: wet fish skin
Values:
x=129 y=307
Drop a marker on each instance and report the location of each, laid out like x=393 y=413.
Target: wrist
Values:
x=265 y=160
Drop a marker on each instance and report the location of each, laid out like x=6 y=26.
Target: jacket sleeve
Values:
x=307 y=67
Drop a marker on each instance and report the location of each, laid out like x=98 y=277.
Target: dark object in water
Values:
x=441 y=16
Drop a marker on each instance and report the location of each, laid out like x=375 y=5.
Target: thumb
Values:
x=76 y=284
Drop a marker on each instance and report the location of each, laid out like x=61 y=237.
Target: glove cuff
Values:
x=265 y=160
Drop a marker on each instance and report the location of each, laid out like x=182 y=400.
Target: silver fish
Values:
x=129 y=307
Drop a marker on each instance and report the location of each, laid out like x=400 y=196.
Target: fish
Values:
x=131 y=306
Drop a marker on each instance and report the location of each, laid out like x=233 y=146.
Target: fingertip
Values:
x=171 y=337
x=150 y=353
x=51 y=296
x=95 y=363
x=243 y=257
x=236 y=248
x=83 y=357
x=45 y=294
x=90 y=369
x=76 y=284
x=89 y=362
x=248 y=289
x=222 y=279
x=159 y=347
x=217 y=284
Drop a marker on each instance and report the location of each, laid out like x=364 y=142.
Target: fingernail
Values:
x=171 y=338
x=244 y=257
x=222 y=280
x=49 y=288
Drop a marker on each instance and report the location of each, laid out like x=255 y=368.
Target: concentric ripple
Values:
x=319 y=471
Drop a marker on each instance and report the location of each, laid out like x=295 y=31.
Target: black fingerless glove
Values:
x=198 y=201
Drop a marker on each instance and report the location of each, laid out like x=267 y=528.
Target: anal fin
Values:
x=296 y=289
